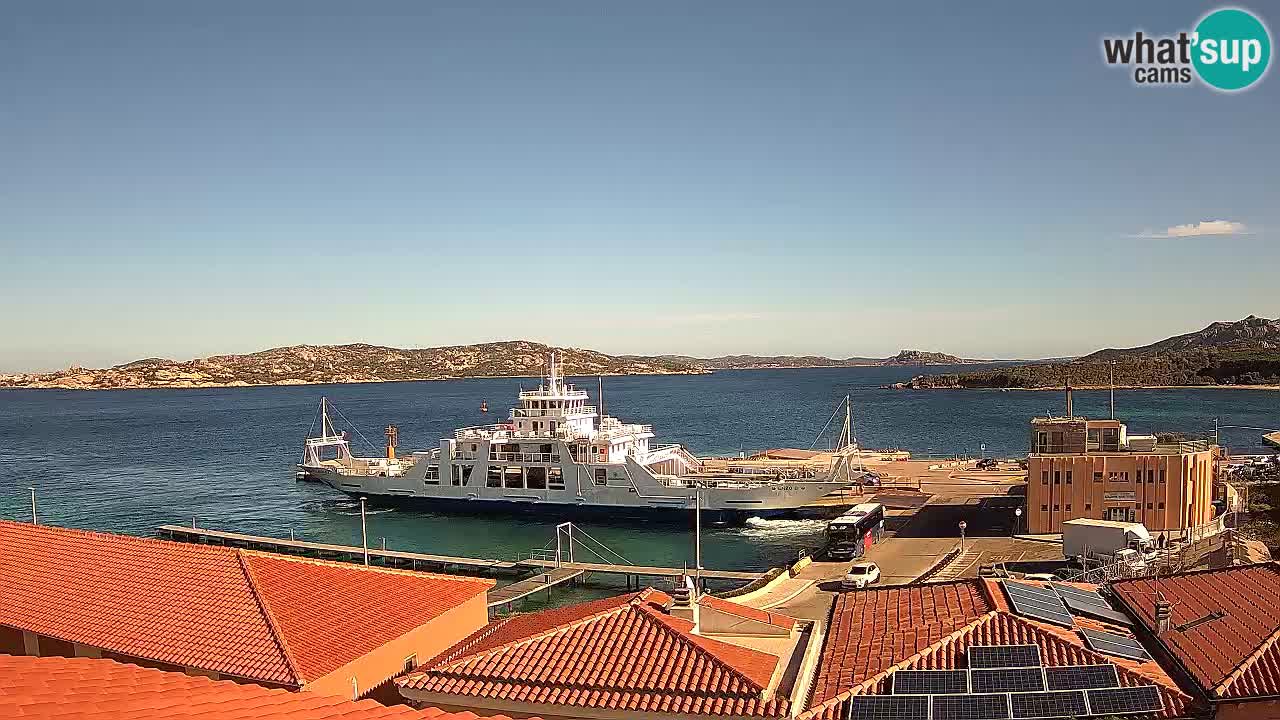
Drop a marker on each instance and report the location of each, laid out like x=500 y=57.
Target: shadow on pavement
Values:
x=992 y=517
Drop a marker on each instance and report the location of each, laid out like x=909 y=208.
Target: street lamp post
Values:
x=963 y=525
x=364 y=532
x=33 y=506
x=1017 y=523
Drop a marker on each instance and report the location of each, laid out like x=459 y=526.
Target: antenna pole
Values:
x=1113 y=389
x=364 y=532
x=697 y=542
x=33 y=506
x=600 y=389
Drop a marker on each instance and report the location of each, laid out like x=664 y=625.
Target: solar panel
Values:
x=1099 y=612
x=1087 y=596
x=1008 y=680
x=1066 y=704
x=930 y=682
x=1038 y=603
x=1004 y=656
x=889 y=707
x=1112 y=644
x=1081 y=677
x=1118 y=701
x=970 y=707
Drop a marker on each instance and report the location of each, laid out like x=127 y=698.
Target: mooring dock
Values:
x=549 y=572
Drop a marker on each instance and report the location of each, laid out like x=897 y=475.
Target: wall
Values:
x=1128 y=480
x=1258 y=710
x=425 y=642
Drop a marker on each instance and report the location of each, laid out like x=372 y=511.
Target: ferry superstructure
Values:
x=557 y=456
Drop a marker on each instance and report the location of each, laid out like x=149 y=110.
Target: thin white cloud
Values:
x=1204 y=227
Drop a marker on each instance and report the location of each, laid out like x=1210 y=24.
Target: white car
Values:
x=860 y=575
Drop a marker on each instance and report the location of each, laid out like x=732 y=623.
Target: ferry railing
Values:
x=524 y=457
x=558 y=412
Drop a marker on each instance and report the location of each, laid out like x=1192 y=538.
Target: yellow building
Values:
x=1081 y=468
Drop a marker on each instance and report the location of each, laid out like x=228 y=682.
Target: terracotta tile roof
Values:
x=930 y=627
x=81 y=688
x=622 y=653
x=1236 y=656
x=742 y=611
x=253 y=615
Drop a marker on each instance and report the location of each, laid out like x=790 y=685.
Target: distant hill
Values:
x=1245 y=352
x=757 y=362
x=312 y=364
x=1250 y=334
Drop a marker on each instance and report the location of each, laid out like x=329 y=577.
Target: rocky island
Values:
x=1224 y=354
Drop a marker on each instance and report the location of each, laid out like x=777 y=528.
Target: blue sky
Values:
x=182 y=179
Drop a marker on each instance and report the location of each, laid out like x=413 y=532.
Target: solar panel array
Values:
x=1090 y=604
x=1006 y=682
x=1112 y=644
x=1038 y=603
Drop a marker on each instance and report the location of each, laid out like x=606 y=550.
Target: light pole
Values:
x=364 y=531
x=697 y=542
x=33 y=506
x=1017 y=523
x=963 y=525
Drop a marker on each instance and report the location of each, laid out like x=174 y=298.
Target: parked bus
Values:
x=849 y=535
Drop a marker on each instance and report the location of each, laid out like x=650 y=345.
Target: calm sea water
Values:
x=129 y=461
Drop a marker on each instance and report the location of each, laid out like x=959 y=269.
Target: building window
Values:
x=1151 y=476
x=1068 y=507
x=410 y=663
x=1044 y=508
x=1068 y=477
x=1088 y=507
x=1044 y=477
x=1055 y=507
x=1149 y=506
x=1162 y=475
x=1057 y=477
x=1097 y=477
x=1160 y=506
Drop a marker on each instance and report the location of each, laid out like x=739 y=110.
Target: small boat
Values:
x=484 y=406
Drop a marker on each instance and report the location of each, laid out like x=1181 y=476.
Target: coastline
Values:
x=1104 y=387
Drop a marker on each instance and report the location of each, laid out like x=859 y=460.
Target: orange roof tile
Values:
x=622 y=653
x=1235 y=656
x=56 y=688
x=930 y=627
x=750 y=613
x=254 y=615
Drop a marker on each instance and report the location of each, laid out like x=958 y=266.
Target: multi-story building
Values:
x=1082 y=468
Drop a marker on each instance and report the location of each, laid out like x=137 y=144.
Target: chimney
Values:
x=1069 y=413
x=685 y=603
x=1164 y=612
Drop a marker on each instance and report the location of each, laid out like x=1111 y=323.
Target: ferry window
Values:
x=546 y=449
x=473 y=447
x=512 y=477
x=536 y=478
x=555 y=478
x=466 y=474
x=599 y=476
x=457 y=475
x=495 y=477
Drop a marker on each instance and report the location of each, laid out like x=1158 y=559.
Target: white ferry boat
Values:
x=557 y=456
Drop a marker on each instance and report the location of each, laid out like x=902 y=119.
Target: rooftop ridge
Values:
x=265 y=609
x=459 y=657
x=362 y=568
x=697 y=643
x=1247 y=664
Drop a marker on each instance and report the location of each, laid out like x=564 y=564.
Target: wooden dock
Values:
x=506 y=595
x=415 y=560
